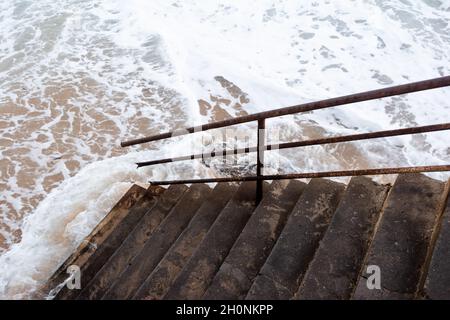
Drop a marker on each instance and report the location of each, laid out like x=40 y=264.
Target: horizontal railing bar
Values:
x=207 y=180
x=326 y=174
x=333 y=102
x=213 y=154
x=366 y=136
x=363 y=172
x=347 y=138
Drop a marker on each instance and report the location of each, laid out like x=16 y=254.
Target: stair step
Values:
x=95 y=239
x=235 y=276
x=103 y=252
x=437 y=286
x=134 y=237
x=334 y=270
x=399 y=247
x=281 y=274
x=159 y=281
x=158 y=244
x=195 y=277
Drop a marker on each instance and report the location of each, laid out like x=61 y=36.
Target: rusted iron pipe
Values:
x=260 y=159
x=345 y=173
x=321 y=141
x=222 y=153
x=333 y=102
x=364 y=172
x=364 y=136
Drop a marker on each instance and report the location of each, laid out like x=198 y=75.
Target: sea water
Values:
x=79 y=76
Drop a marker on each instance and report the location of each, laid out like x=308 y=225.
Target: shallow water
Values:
x=76 y=77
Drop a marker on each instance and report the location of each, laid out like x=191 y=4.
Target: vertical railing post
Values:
x=260 y=159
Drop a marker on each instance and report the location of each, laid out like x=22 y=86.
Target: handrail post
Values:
x=260 y=159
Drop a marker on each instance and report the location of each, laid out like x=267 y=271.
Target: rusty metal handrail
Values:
x=313 y=142
x=310 y=106
x=328 y=103
x=310 y=175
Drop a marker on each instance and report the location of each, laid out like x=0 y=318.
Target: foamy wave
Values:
x=78 y=76
x=68 y=214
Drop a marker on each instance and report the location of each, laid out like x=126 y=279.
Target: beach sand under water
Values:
x=79 y=76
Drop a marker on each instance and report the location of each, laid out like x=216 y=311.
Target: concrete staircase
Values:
x=303 y=241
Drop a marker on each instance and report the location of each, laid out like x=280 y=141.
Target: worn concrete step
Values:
x=334 y=271
x=401 y=241
x=114 y=240
x=235 y=276
x=95 y=240
x=135 y=236
x=158 y=244
x=281 y=274
x=160 y=280
x=195 y=277
x=437 y=285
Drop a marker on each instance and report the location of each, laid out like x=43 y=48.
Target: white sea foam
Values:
x=68 y=214
x=107 y=70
